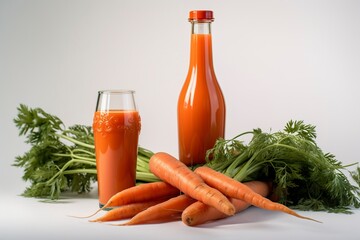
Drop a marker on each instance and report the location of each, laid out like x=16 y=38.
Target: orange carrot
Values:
x=236 y=189
x=126 y=211
x=199 y=213
x=140 y=193
x=165 y=211
x=173 y=171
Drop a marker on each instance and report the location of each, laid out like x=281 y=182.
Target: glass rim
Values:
x=116 y=91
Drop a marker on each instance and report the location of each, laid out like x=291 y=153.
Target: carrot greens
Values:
x=304 y=176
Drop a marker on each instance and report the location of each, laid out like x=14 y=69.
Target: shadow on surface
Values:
x=250 y=215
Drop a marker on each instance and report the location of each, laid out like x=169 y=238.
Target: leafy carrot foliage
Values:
x=304 y=176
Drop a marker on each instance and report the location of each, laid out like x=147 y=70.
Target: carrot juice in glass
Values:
x=116 y=127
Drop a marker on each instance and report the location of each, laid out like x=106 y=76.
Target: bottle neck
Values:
x=200 y=27
x=201 y=45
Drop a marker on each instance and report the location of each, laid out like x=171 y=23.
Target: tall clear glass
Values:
x=116 y=127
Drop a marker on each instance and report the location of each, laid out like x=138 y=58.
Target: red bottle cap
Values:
x=199 y=15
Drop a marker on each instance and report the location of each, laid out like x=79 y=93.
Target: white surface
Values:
x=28 y=218
x=275 y=60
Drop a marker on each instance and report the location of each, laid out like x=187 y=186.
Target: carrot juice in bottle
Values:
x=201 y=104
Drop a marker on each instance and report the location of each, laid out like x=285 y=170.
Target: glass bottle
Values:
x=201 y=104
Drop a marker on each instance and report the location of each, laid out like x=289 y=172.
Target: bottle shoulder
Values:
x=200 y=90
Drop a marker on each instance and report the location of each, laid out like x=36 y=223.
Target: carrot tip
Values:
x=95 y=220
x=311 y=219
x=303 y=217
x=121 y=224
x=88 y=215
x=78 y=216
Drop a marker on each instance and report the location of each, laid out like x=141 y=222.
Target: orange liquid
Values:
x=201 y=105
x=116 y=136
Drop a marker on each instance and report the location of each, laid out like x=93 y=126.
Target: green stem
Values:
x=238 y=161
x=82 y=170
x=142 y=163
x=76 y=141
x=67 y=165
x=84 y=151
x=241 y=134
x=229 y=164
x=145 y=152
x=146 y=177
x=143 y=158
x=74 y=156
x=244 y=171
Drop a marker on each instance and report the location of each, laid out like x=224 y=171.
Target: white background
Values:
x=275 y=61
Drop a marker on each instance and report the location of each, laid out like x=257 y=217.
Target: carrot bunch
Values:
x=195 y=197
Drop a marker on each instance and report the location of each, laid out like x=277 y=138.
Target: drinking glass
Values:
x=116 y=127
